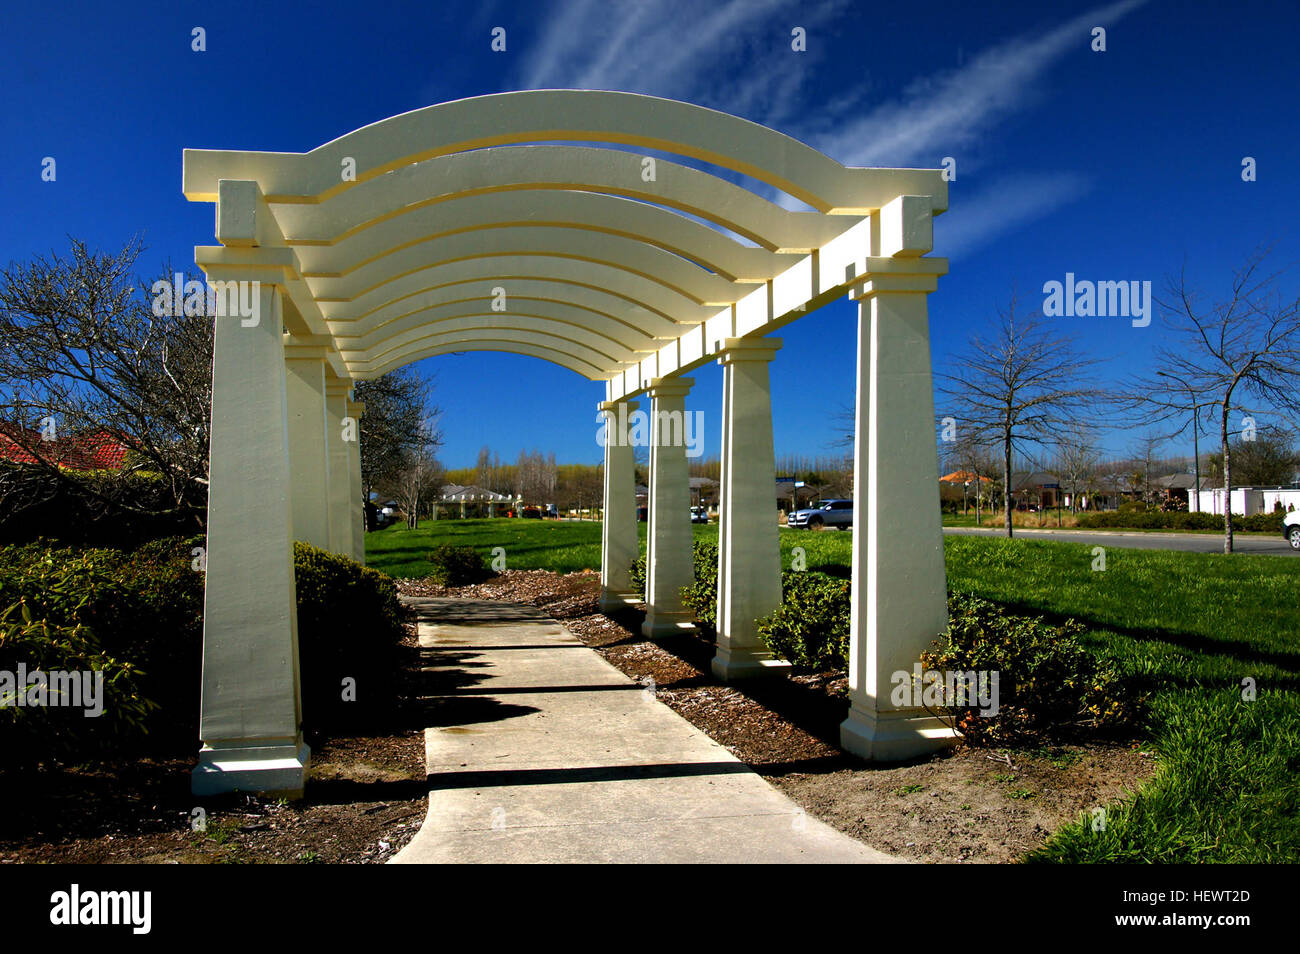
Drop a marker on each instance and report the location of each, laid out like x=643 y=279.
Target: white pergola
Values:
x=465 y=226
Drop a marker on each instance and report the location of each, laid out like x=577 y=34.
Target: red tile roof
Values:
x=98 y=450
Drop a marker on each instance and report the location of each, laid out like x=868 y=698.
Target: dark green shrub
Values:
x=350 y=626
x=60 y=720
x=636 y=575
x=457 y=566
x=1259 y=522
x=141 y=610
x=93 y=508
x=812 y=626
x=1049 y=683
x=701 y=597
x=138 y=615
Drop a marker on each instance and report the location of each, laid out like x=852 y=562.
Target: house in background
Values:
x=96 y=450
x=1180 y=489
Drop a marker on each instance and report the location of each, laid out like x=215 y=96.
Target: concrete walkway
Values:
x=540 y=751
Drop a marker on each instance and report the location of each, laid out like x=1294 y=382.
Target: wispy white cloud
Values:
x=665 y=48
x=1003 y=206
x=939 y=114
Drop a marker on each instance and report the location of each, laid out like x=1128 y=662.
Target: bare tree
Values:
x=400 y=421
x=1077 y=459
x=84 y=350
x=1021 y=386
x=417 y=482
x=1146 y=465
x=975 y=458
x=1243 y=347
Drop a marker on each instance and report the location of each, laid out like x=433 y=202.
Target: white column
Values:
x=619 y=546
x=749 y=549
x=251 y=720
x=308 y=446
x=899 y=587
x=340 y=479
x=669 y=557
x=356 y=502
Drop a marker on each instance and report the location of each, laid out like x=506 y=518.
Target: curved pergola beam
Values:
x=653 y=264
x=491 y=341
x=596 y=212
x=561 y=335
x=634 y=320
x=567 y=168
x=645 y=122
x=617 y=334
x=497 y=272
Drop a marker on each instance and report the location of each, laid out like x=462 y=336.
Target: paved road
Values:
x=1188 y=542
x=540 y=751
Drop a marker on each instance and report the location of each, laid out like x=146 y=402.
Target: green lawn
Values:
x=1190 y=626
x=562 y=545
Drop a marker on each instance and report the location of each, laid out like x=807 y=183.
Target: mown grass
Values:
x=564 y=546
x=1189 y=627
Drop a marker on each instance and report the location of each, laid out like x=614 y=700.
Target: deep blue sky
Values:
x=1115 y=165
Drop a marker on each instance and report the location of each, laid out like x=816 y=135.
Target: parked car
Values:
x=829 y=513
x=531 y=513
x=1291 y=529
x=699 y=515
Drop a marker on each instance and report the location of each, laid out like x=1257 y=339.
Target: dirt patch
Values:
x=969 y=804
x=366 y=799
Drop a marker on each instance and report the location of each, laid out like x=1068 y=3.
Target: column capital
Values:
x=748 y=349
x=613 y=406
x=906 y=275
x=669 y=387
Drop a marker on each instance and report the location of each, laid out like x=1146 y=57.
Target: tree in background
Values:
x=398 y=429
x=1077 y=461
x=418 y=482
x=488 y=470
x=1146 y=466
x=1242 y=348
x=1018 y=387
x=82 y=352
x=1270 y=460
x=535 y=477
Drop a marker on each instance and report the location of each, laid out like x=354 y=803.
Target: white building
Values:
x=1250 y=500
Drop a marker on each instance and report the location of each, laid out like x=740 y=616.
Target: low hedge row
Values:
x=1179 y=520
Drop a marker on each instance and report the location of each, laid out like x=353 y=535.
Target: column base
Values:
x=730 y=665
x=894 y=736
x=279 y=770
x=661 y=624
x=613 y=600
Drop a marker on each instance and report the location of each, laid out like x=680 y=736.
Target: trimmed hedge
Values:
x=142 y=609
x=349 y=627
x=137 y=615
x=1179 y=520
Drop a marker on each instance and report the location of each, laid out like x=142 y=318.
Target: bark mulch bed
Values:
x=967 y=805
x=366 y=798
